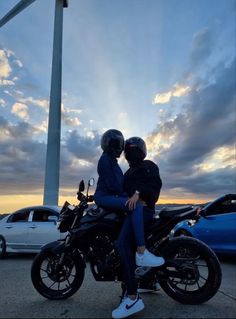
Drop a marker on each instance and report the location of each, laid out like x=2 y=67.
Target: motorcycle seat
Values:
x=170 y=212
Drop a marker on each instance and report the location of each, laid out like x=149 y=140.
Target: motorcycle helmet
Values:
x=112 y=142
x=135 y=150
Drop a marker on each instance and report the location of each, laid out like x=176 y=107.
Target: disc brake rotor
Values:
x=190 y=274
x=58 y=272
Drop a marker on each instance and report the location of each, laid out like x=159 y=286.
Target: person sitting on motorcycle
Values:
x=142 y=183
x=110 y=193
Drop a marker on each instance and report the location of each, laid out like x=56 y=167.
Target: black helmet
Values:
x=112 y=142
x=135 y=150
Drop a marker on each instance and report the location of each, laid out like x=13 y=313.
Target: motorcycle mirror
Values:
x=81 y=186
x=91 y=181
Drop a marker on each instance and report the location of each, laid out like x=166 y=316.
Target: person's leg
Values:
x=147 y=287
x=118 y=202
x=138 y=224
x=112 y=202
x=143 y=256
x=126 y=247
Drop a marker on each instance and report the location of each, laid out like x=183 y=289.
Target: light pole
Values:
x=51 y=184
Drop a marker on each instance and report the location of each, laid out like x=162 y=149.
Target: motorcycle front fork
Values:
x=67 y=240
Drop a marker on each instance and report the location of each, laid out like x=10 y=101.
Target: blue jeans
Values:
x=136 y=216
x=131 y=236
x=126 y=247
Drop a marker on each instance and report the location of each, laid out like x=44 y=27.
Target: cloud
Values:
x=5 y=68
x=19 y=63
x=165 y=97
x=6 y=82
x=75 y=122
x=195 y=148
x=20 y=110
x=202 y=46
x=2 y=102
x=22 y=159
x=42 y=127
x=42 y=103
x=84 y=147
x=67 y=116
x=223 y=156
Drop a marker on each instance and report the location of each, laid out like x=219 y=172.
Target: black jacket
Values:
x=144 y=178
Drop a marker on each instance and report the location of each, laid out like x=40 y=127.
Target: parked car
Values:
x=218 y=228
x=27 y=229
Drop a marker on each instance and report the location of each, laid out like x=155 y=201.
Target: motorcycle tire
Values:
x=200 y=271
x=47 y=281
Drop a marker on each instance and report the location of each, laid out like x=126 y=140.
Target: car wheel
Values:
x=2 y=247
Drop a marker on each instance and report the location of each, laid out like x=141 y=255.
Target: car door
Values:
x=16 y=229
x=42 y=231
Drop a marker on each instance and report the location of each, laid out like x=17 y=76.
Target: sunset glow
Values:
x=162 y=70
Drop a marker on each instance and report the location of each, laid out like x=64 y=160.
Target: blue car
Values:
x=217 y=229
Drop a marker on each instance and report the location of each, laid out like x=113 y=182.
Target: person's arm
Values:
x=132 y=201
x=106 y=172
x=150 y=186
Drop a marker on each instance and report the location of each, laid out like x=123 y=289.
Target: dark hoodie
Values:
x=145 y=178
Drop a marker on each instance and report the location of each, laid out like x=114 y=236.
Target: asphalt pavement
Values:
x=19 y=299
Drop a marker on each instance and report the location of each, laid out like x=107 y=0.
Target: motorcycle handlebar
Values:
x=82 y=197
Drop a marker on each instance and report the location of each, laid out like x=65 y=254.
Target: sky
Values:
x=164 y=70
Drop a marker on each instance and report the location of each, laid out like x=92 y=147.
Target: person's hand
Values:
x=131 y=202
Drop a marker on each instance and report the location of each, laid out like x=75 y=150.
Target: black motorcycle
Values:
x=191 y=273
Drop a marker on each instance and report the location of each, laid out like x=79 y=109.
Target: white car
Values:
x=26 y=230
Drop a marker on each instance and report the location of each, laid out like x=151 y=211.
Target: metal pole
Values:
x=51 y=184
x=14 y=11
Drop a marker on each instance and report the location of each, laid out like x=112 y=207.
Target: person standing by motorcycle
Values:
x=110 y=193
x=142 y=184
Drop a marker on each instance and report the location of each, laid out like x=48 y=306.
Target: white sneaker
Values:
x=148 y=259
x=128 y=307
x=151 y=289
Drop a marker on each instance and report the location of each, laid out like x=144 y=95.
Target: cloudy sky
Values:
x=160 y=69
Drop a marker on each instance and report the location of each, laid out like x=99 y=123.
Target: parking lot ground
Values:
x=19 y=299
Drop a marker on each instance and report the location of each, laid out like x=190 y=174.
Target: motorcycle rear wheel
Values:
x=200 y=271
x=55 y=281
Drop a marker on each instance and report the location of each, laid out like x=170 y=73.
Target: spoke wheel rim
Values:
x=195 y=273
x=58 y=281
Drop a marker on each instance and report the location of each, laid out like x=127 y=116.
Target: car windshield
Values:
x=222 y=206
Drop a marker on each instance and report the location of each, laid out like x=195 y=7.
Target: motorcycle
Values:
x=191 y=273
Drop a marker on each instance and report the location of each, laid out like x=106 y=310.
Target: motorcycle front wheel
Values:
x=54 y=279
x=192 y=270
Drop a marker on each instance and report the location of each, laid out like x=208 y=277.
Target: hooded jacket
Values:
x=145 y=178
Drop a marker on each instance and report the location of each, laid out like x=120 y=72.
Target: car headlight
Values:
x=191 y=222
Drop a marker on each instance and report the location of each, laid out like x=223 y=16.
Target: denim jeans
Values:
x=126 y=247
x=136 y=216
x=131 y=235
